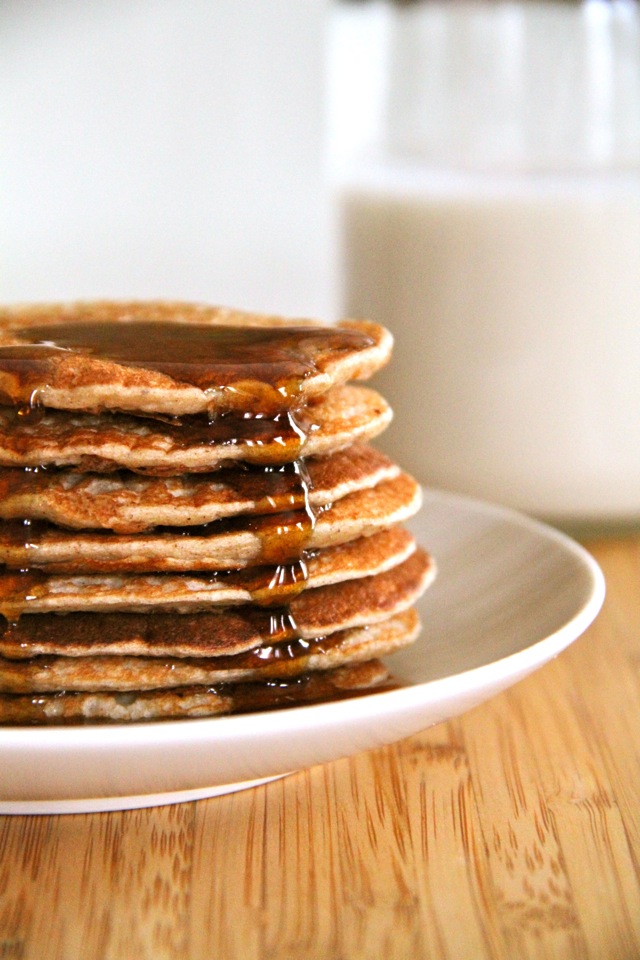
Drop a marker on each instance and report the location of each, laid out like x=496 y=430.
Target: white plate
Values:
x=510 y=594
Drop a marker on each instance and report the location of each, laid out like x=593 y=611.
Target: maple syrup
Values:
x=267 y=367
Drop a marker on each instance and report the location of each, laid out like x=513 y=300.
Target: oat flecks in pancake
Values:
x=352 y=645
x=130 y=503
x=194 y=701
x=80 y=380
x=103 y=442
x=224 y=545
x=30 y=592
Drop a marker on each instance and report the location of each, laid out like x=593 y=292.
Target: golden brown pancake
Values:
x=195 y=701
x=314 y=613
x=129 y=503
x=34 y=592
x=122 y=673
x=177 y=358
x=229 y=631
x=223 y=545
x=105 y=442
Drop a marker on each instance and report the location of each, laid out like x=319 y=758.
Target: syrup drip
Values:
x=18 y=589
x=266 y=366
x=270 y=587
x=280 y=573
x=16 y=480
x=30 y=413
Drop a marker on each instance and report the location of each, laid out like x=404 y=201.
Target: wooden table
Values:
x=512 y=832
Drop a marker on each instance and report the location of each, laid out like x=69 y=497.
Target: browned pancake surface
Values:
x=106 y=442
x=314 y=613
x=129 y=503
x=123 y=673
x=177 y=358
x=141 y=425
x=223 y=545
x=32 y=592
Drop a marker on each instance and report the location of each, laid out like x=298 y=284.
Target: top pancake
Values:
x=177 y=359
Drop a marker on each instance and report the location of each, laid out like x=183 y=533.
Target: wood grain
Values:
x=511 y=832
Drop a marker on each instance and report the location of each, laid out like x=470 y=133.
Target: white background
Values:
x=157 y=148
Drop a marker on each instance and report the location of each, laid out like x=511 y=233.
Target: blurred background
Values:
x=155 y=148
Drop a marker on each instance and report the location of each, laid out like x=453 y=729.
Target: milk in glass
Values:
x=486 y=164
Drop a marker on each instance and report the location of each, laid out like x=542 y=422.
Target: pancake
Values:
x=229 y=631
x=223 y=545
x=314 y=613
x=178 y=358
x=32 y=592
x=191 y=520
x=130 y=503
x=105 y=442
x=195 y=701
x=95 y=673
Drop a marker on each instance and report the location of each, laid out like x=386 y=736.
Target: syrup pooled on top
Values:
x=267 y=365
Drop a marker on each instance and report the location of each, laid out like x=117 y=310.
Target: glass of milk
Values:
x=486 y=162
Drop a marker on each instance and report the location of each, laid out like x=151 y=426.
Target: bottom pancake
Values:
x=194 y=701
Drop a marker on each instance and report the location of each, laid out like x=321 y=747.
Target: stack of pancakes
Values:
x=192 y=520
